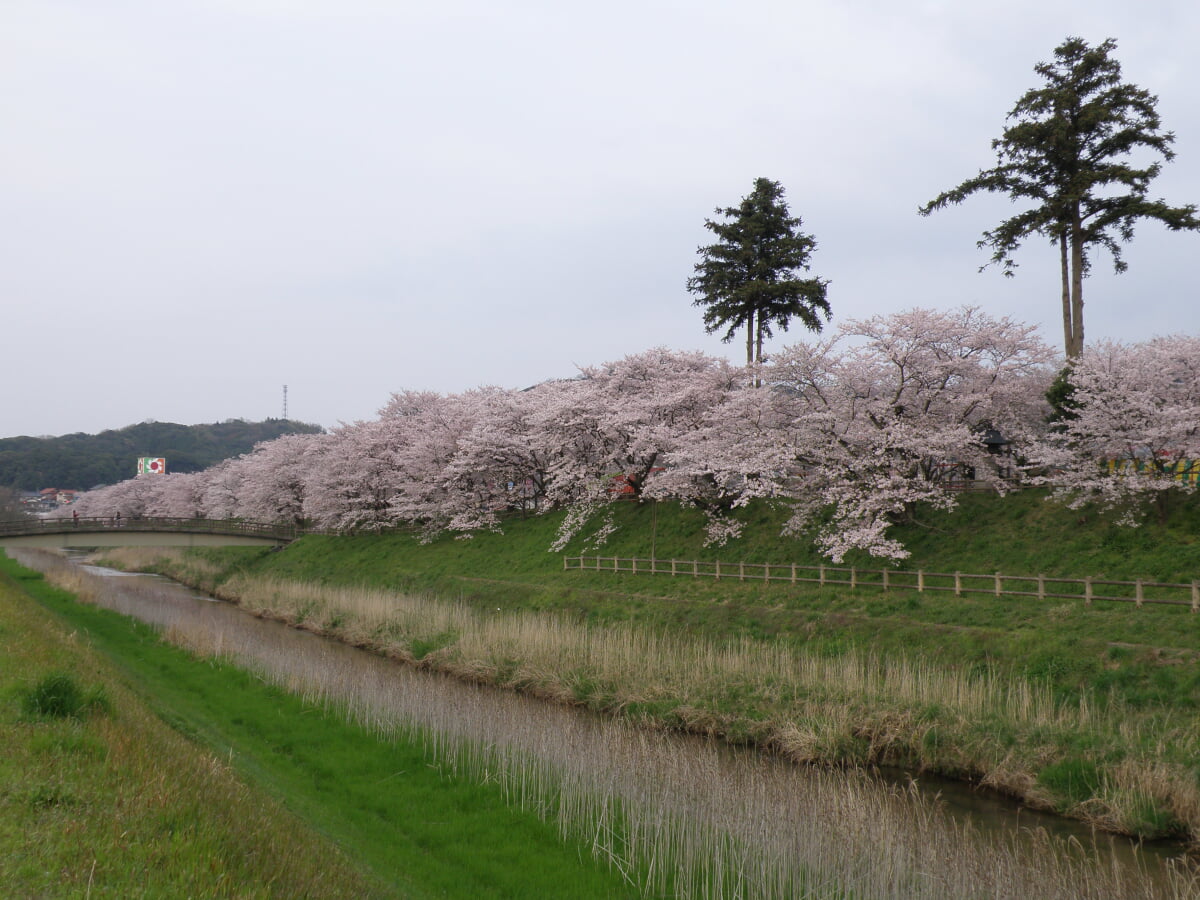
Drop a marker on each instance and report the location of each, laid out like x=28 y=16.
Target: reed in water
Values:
x=1119 y=769
x=685 y=818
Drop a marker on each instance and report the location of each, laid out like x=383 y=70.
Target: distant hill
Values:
x=82 y=461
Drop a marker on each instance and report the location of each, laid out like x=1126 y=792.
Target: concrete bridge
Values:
x=144 y=531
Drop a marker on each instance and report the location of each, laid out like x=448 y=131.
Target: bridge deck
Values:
x=142 y=531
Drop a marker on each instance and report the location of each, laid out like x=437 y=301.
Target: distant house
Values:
x=48 y=498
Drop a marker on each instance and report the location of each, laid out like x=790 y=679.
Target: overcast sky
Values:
x=204 y=200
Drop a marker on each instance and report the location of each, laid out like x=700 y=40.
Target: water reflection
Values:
x=729 y=822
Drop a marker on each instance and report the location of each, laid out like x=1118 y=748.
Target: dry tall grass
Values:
x=810 y=708
x=1001 y=731
x=681 y=816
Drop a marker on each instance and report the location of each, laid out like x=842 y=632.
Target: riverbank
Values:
x=98 y=796
x=203 y=779
x=689 y=817
x=1086 y=711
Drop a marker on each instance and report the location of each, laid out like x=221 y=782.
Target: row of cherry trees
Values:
x=856 y=432
x=1130 y=434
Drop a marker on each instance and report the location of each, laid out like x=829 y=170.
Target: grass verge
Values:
x=122 y=805
x=1087 y=711
x=98 y=797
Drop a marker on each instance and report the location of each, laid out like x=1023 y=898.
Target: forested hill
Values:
x=83 y=461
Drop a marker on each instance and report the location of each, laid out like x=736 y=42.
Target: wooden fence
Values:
x=996 y=584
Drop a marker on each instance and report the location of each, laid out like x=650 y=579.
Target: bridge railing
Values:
x=58 y=525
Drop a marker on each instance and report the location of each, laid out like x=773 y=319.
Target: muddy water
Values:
x=878 y=835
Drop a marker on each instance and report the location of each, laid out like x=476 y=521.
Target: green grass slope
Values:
x=103 y=799
x=1139 y=667
x=364 y=816
x=1145 y=655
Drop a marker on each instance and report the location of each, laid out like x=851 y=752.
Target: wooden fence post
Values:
x=1196 y=596
x=1089 y=593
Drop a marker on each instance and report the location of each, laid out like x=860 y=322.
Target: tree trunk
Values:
x=1076 y=348
x=750 y=338
x=753 y=331
x=1162 y=505
x=1066 y=294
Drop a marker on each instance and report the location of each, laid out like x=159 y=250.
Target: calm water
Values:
x=835 y=821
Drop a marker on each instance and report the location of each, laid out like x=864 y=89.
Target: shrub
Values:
x=59 y=696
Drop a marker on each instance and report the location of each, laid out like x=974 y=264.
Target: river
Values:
x=731 y=822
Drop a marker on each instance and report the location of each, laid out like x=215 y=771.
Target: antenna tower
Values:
x=285 y=403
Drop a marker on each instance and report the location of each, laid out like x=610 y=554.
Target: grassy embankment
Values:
x=680 y=818
x=1090 y=711
x=106 y=799
x=99 y=797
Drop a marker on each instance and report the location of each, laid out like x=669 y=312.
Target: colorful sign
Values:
x=152 y=465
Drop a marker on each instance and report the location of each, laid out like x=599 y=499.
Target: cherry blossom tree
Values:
x=275 y=477
x=734 y=456
x=854 y=432
x=1133 y=433
x=498 y=464
x=222 y=490
x=351 y=479
x=896 y=406
x=429 y=493
x=129 y=499
x=94 y=503
x=176 y=495
x=860 y=429
x=371 y=474
x=610 y=431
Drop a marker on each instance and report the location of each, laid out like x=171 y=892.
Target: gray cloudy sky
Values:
x=204 y=200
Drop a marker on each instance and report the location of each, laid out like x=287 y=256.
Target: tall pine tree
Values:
x=749 y=278
x=1067 y=151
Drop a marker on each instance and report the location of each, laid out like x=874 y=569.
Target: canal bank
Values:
x=1086 y=712
x=410 y=829
x=896 y=836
